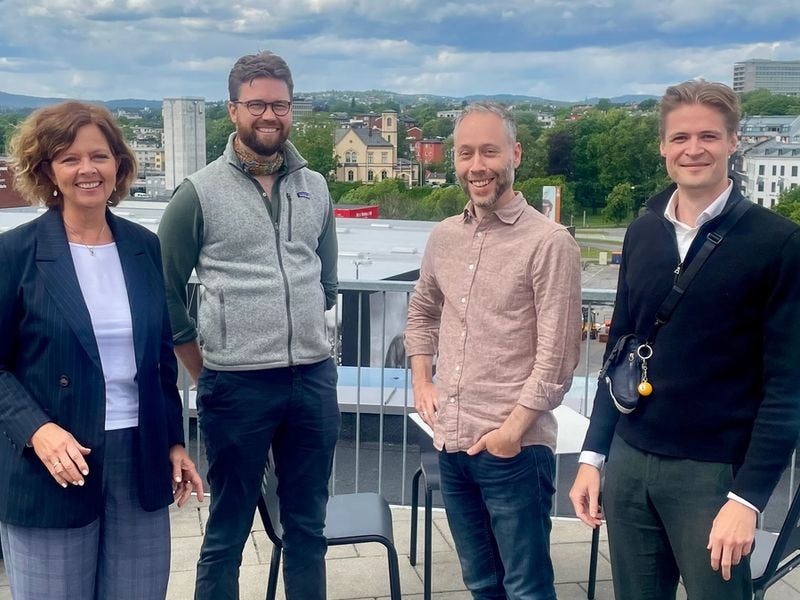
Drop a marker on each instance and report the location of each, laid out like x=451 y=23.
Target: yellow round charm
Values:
x=645 y=389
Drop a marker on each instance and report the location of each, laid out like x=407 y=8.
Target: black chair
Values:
x=429 y=471
x=776 y=554
x=351 y=519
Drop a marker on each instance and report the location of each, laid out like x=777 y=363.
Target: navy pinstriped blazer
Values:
x=50 y=371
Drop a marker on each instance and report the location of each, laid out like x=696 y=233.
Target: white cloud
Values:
x=563 y=49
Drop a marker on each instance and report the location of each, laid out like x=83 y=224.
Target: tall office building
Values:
x=777 y=76
x=184 y=138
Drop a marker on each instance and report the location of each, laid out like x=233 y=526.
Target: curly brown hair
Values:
x=49 y=131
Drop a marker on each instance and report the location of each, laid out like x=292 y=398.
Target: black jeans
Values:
x=241 y=413
x=659 y=512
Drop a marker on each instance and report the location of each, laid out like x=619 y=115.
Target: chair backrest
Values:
x=787 y=542
x=268 y=504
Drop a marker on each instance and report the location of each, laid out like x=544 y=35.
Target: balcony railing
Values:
x=379 y=446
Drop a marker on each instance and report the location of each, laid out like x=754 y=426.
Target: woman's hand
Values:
x=185 y=477
x=61 y=454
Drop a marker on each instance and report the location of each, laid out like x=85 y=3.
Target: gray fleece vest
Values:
x=262 y=304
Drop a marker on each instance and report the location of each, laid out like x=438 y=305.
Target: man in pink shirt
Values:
x=498 y=301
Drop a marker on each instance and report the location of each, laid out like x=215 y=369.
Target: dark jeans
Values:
x=499 y=514
x=241 y=413
x=659 y=512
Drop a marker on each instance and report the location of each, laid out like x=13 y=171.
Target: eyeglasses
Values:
x=280 y=108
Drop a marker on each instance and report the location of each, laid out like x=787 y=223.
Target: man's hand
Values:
x=61 y=454
x=426 y=400
x=731 y=536
x=585 y=494
x=497 y=443
x=185 y=477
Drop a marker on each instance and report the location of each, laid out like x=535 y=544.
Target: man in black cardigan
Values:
x=689 y=470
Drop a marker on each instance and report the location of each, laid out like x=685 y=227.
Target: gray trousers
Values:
x=123 y=555
x=659 y=512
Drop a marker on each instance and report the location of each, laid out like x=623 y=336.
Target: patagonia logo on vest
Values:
x=303 y=195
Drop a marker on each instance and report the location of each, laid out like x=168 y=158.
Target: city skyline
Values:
x=110 y=49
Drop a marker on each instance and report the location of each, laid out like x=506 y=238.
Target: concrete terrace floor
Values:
x=360 y=572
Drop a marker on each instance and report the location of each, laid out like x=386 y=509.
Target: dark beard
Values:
x=249 y=138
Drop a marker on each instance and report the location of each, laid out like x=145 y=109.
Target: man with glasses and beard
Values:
x=257 y=227
x=499 y=300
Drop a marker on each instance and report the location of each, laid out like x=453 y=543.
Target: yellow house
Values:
x=368 y=154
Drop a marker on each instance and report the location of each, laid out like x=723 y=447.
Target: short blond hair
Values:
x=49 y=131
x=699 y=91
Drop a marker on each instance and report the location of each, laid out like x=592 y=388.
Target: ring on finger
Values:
x=57 y=463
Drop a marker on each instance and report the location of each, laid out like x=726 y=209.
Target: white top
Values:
x=103 y=286
x=683 y=232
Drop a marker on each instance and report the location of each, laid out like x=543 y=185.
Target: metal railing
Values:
x=375 y=396
x=375 y=388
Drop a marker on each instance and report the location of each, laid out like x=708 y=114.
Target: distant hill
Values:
x=626 y=99
x=20 y=102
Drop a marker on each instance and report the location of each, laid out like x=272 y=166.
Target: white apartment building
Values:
x=451 y=114
x=769 y=168
x=184 y=138
x=784 y=128
x=302 y=107
x=777 y=76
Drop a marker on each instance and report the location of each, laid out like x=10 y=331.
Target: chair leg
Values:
x=394 y=572
x=593 y=562
x=274 y=569
x=426 y=578
x=412 y=553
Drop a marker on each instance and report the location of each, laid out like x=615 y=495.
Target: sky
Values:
x=561 y=50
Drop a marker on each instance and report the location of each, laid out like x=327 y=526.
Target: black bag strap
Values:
x=713 y=239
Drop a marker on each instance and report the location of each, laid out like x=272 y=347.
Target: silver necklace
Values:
x=90 y=248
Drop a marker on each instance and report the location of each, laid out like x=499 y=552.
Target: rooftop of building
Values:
x=367 y=135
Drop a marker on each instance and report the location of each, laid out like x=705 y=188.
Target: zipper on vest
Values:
x=285 y=293
x=274 y=212
x=289 y=203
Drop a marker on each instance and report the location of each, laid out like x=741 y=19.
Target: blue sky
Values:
x=563 y=50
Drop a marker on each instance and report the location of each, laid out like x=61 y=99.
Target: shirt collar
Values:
x=711 y=211
x=508 y=214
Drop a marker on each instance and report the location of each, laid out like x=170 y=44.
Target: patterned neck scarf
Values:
x=255 y=164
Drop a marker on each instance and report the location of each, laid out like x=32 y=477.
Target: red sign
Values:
x=356 y=212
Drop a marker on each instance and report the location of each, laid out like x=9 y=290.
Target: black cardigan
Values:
x=726 y=367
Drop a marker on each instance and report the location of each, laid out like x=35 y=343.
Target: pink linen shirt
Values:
x=499 y=300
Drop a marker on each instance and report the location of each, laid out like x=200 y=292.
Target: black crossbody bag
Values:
x=625 y=369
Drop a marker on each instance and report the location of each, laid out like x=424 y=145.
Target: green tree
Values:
x=217 y=132
x=8 y=122
x=618 y=204
x=441 y=203
x=438 y=127
x=604 y=104
x=764 y=102
x=313 y=137
x=533 y=153
x=647 y=105
x=789 y=204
